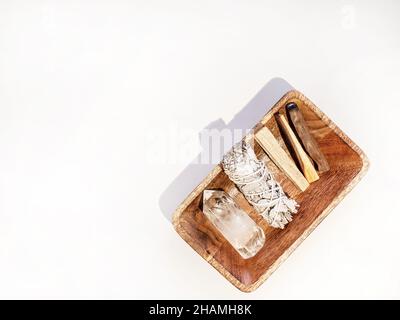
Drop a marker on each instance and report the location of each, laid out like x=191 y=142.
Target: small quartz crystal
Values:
x=235 y=225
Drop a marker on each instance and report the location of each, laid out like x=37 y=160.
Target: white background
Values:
x=85 y=86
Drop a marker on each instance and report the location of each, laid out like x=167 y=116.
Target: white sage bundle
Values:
x=258 y=185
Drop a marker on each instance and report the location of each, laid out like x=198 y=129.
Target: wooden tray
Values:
x=347 y=166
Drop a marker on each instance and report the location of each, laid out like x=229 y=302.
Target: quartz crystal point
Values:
x=235 y=225
x=258 y=185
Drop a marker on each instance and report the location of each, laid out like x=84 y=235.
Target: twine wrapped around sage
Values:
x=258 y=185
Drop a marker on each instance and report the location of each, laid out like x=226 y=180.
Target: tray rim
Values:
x=217 y=169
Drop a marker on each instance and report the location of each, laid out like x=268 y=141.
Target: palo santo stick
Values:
x=306 y=165
x=271 y=146
x=307 y=139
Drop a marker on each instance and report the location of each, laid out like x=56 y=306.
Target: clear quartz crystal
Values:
x=234 y=224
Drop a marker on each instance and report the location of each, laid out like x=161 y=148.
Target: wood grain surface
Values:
x=280 y=157
x=347 y=166
x=307 y=167
x=307 y=139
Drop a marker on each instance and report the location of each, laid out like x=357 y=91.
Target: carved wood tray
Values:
x=347 y=163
